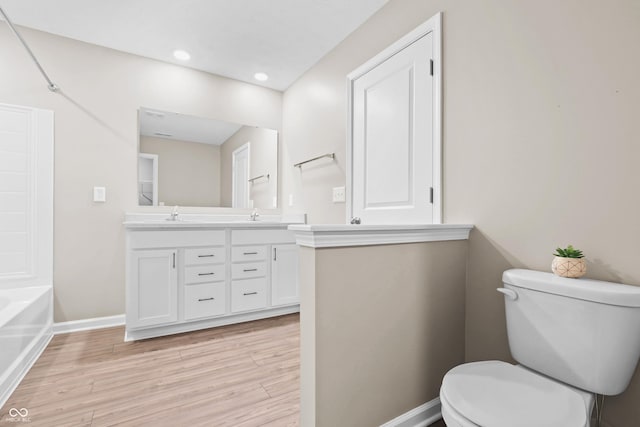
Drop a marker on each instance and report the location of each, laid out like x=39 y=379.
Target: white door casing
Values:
x=148 y=178
x=240 y=176
x=26 y=196
x=394 y=135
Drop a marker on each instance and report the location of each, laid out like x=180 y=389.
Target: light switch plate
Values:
x=290 y=199
x=99 y=194
x=338 y=195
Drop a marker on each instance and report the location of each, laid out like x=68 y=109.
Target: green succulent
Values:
x=569 y=252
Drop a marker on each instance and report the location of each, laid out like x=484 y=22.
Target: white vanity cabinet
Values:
x=205 y=293
x=284 y=275
x=183 y=277
x=259 y=278
x=154 y=273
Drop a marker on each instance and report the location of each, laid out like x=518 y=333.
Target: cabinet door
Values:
x=284 y=275
x=153 y=288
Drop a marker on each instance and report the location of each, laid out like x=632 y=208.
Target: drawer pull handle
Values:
x=206 y=299
x=250 y=269
x=205 y=256
x=250 y=293
x=251 y=253
x=206 y=274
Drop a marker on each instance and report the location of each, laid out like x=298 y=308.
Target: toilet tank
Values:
x=582 y=332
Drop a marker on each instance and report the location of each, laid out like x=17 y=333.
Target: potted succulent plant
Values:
x=569 y=262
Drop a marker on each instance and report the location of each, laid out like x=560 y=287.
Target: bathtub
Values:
x=25 y=330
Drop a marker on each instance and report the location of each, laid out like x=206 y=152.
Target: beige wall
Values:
x=541 y=136
x=263 y=160
x=380 y=326
x=96 y=136
x=188 y=172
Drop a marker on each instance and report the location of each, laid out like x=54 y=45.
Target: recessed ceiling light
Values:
x=181 y=55
x=260 y=77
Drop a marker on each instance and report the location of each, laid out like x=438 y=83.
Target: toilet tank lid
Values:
x=584 y=289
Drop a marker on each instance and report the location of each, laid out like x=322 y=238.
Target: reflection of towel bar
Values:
x=332 y=155
x=258 y=177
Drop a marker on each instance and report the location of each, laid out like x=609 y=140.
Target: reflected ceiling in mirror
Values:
x=193 y=161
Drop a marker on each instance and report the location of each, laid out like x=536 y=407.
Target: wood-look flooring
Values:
x=239 y=375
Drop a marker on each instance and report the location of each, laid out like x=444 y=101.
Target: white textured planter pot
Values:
x=569 y=267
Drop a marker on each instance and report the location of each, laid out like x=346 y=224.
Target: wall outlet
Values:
x=99 y=194
x=338 y=195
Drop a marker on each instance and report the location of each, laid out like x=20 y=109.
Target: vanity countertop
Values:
x=185 y=221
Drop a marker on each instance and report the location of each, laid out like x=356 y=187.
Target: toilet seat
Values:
x=498 y=394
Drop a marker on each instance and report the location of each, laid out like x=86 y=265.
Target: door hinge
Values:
x=431 y=195
x=431 y=67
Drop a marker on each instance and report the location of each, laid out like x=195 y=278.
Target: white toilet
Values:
x=571 y=337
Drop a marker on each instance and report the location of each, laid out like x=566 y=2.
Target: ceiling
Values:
x=163 y=124
x=233 y=38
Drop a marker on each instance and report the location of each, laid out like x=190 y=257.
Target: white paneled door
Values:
x=240 y=178
x=26 y=196
x=392 y=146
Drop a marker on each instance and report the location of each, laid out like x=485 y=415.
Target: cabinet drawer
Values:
x=248 y=253
x=204 y=273
x=205 y=300
x=197 y=256
x=175 y=238
x=248 y=270
x=264 y=237
x=248 y=294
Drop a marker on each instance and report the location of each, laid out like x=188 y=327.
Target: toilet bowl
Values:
x=571 y=338
x=498 y=394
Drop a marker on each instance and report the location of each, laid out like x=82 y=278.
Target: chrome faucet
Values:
x=254 y=215
x=174 y=214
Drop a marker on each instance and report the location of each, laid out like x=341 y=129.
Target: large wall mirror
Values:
x=193 y=161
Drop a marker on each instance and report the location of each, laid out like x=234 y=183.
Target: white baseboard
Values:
x=421 y=416
x=88 y=324
x=178 y=328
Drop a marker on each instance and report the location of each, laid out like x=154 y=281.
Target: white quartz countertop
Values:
x=200 y=224
x=144 y=221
